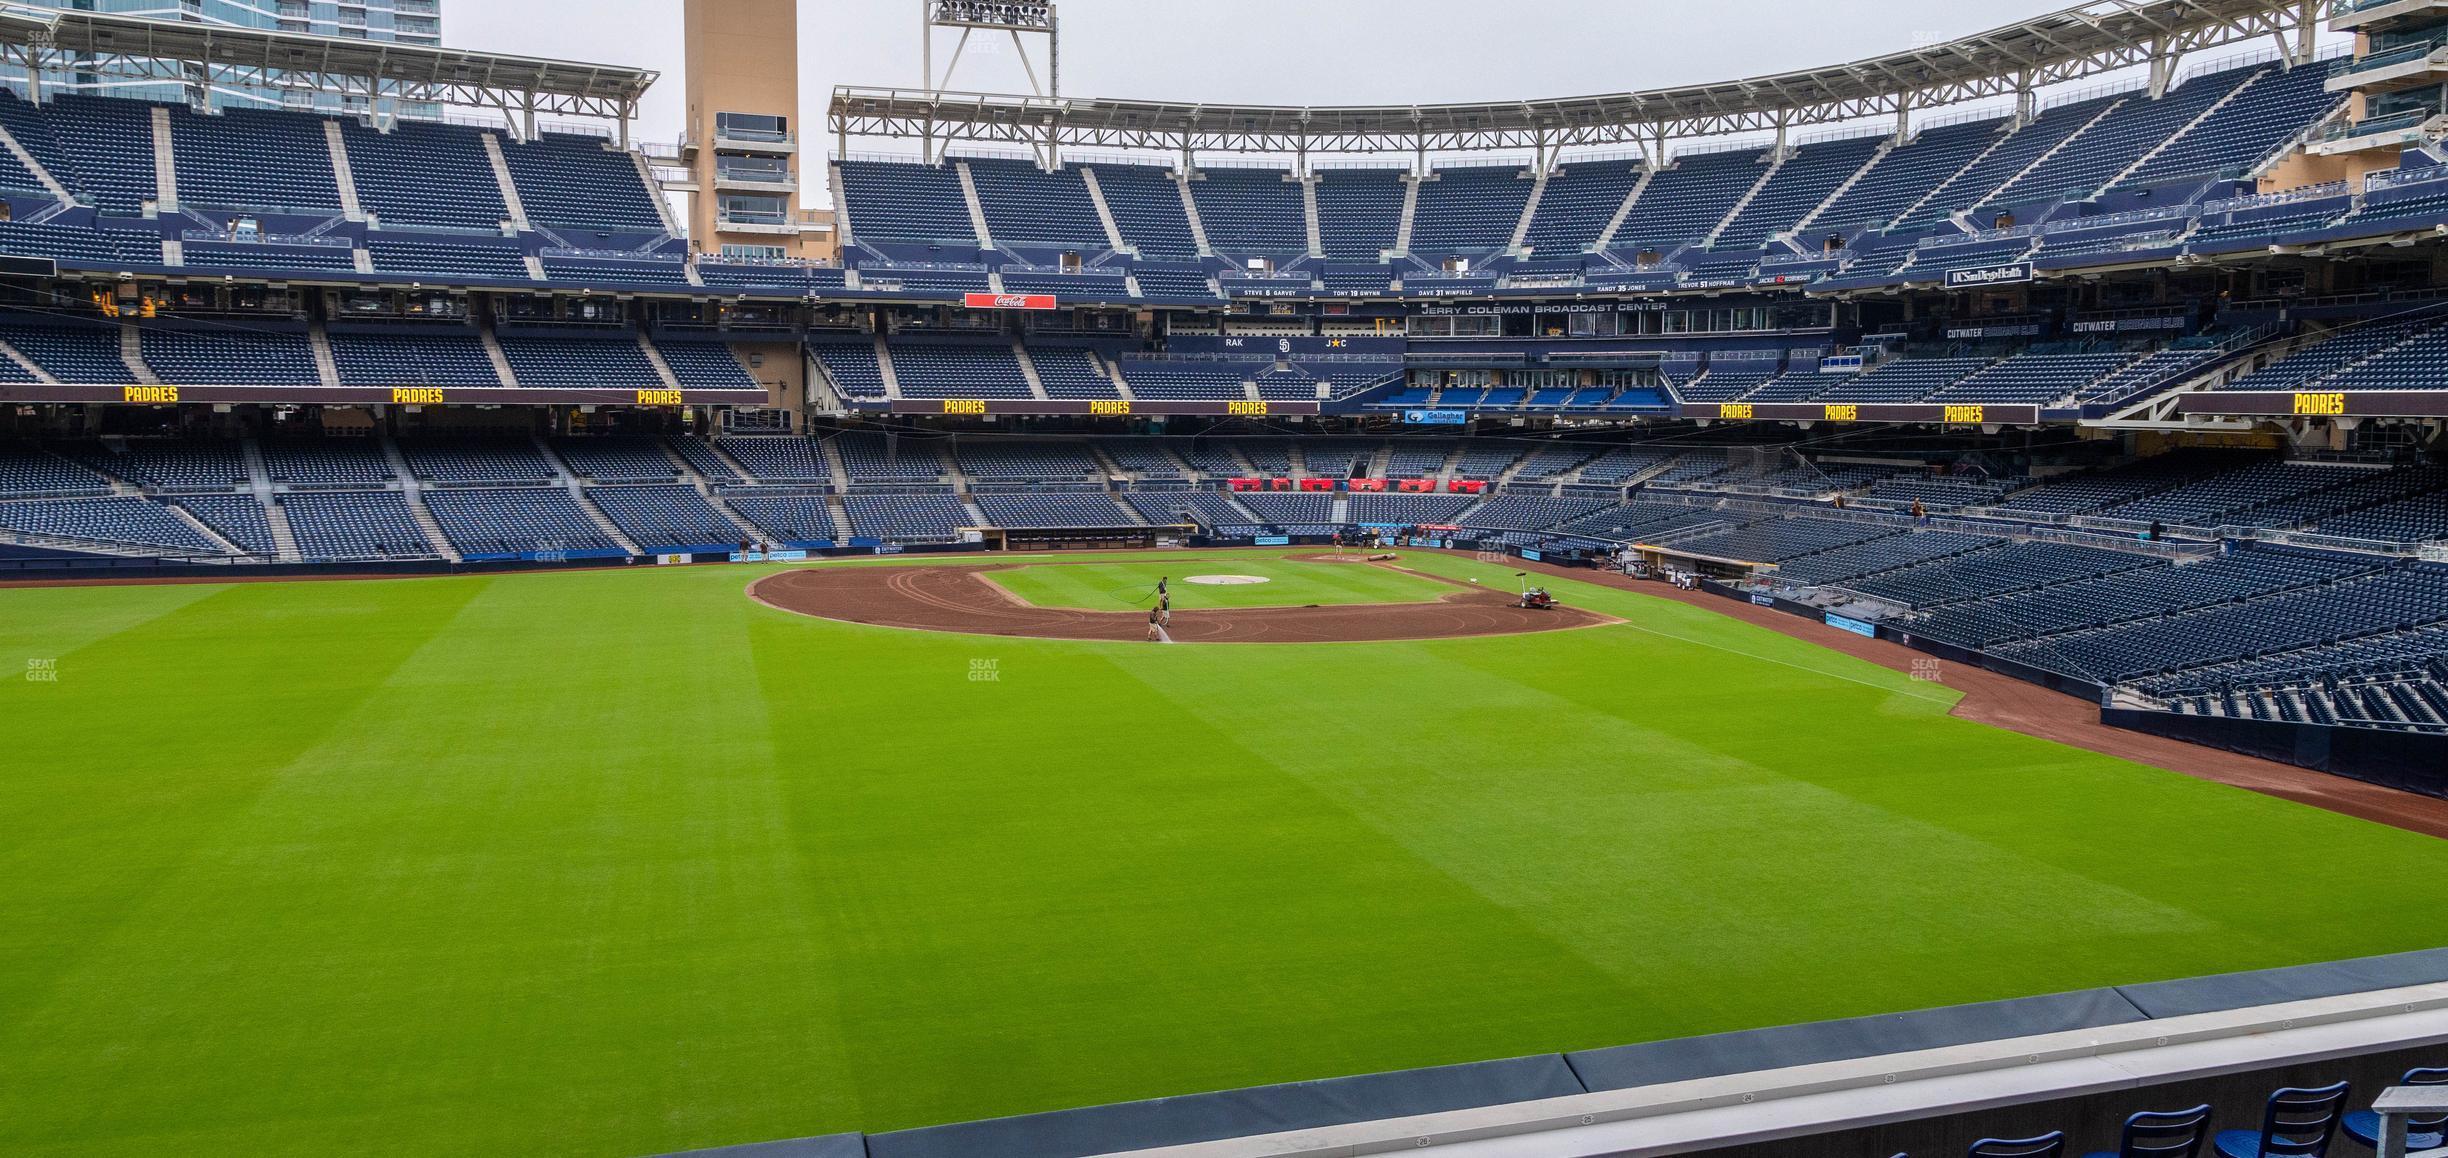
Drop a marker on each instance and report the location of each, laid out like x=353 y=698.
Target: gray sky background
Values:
x=1273 y=51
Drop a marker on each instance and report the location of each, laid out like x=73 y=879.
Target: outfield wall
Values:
x=1929 y=1081
x=2408 y=761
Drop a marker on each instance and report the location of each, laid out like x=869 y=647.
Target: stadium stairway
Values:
x=344 y=176
x=259 y=482
x=414 y=492
x=569 y=481
x=41 y=172
x=654 y=358
x=500 y=163
x=131 y=351
x=501 y=361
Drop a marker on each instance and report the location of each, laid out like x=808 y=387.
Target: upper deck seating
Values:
x=1469 y=209
x=1252 y=212
x=1359 y=211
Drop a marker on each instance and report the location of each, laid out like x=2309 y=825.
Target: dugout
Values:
x=1079 y=538
x=1706 y=566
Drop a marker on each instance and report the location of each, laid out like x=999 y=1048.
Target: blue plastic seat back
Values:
x=2430 y=1123
x=2298 y=1123
x=2048 y=1145
x=2165 y=1134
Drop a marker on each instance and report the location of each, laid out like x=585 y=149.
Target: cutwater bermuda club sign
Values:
x=1989 y=275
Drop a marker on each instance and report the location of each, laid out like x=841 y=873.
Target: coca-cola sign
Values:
x=1008 y=301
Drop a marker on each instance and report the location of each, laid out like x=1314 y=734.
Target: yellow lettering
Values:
x=1836 y=413
x=416 y=396
x=1734 y=410
x=1246 y=408
x=149 y=394
x=964 y=406
x=1108 y=406
x=658 y=398
x=2322 y=404
x=1966 y=415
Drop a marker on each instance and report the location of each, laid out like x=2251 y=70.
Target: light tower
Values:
x=1014 y=18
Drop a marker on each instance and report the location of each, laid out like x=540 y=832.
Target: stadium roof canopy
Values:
x=175 y=52
x=2087 y=40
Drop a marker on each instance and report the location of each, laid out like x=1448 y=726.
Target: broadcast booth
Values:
x=1078 y=538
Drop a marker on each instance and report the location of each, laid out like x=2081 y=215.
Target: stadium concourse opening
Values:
x=958 y=597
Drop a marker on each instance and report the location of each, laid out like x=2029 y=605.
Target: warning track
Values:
x=959 y=598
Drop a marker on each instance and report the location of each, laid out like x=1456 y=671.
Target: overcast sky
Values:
x=1273 y=51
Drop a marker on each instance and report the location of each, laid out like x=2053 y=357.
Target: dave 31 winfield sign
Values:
x=1008 y=301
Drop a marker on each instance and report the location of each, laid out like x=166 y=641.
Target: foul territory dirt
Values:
x=961 y=598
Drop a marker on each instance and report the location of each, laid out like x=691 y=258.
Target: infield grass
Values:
x=620 y=862
x=1131 y=586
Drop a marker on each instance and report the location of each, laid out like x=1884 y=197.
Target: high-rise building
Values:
x=417 y=22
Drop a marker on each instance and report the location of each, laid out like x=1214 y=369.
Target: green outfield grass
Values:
x=620 y=862
x=1131 y=586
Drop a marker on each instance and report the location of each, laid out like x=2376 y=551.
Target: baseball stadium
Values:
x=1895 y=607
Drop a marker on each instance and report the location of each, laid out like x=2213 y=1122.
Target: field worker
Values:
x=1164 y=609
x=1155 y=626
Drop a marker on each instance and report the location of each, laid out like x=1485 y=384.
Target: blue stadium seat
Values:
x=2423 y=1131
x=2296 y=1123
x=424 y=174
x=1469 y=210
x=1359 y=211
x=581 y=183
x=2161 y=1134
x=2048 y=1145
x=341 y=525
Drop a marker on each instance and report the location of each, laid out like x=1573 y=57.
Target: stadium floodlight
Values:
x=1010 y=17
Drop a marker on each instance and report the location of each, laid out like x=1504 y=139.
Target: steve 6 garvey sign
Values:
x=1008 y=301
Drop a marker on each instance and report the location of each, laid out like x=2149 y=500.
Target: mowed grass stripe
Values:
x=1058 y=923
x=150 y=740
x=620 y=863
x=512 y=891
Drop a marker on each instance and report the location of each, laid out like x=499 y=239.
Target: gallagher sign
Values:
x=1008 y=301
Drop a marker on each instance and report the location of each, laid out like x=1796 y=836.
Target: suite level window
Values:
x=751 y=127
x=754 y=209
x=733 y=167
x=1594 y=325
x=755 y=252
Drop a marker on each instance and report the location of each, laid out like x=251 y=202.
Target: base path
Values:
x=960 y=598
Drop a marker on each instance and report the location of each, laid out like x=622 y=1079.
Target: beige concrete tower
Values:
x=744 y=147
